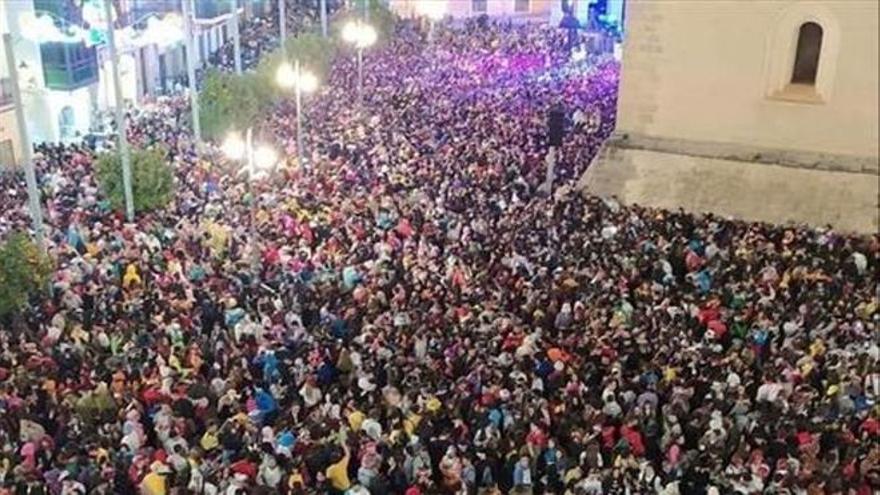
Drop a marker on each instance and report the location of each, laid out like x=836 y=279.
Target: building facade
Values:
x=66 y=83
x=713 y=85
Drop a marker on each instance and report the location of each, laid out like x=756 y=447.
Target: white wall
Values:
x=707 y=70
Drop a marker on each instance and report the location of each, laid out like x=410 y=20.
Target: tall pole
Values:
x=299 y=118
x=121 y=123
x=236 y=37
x=191 y=69
x=367 y=10
x=324 y=18
x=249 y=153
x=360 y=55
x=282 y=21
x=27 y=163
x=251 y=173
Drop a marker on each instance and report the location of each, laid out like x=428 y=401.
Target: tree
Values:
x=24 y=271
x=232 y=102
x=152 y=179
x=313 y=51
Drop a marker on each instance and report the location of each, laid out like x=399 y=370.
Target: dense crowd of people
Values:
x=414 y=311
x=261 y=35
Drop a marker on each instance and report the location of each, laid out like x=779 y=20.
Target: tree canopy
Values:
x=24 y=271
x=152 y=179
x=232 y=102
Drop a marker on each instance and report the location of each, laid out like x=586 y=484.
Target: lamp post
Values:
x=324 y=18
x=255 y=160
x=282 y=20
x=361 y=35
x=121 y=123
x=236 y=37
x=301 y=81
x=188 y=12
x=27 y=162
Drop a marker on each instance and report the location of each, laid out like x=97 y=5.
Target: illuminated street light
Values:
x=257 y=162
x=308 y=82
x=301 y=81
x=361 y=35
x=264 y=158
x=286 y=76
x=255 y=159
x=234 y=147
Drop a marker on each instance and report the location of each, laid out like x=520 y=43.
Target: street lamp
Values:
x=434 y=11
x=301 y=81
x=256 y=161
x=121 y=122
x=361 y=35
x=188 y=7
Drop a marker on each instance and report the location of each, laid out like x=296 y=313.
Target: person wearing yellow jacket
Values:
x=131 y=276
x=337 y=472
x=154 y=483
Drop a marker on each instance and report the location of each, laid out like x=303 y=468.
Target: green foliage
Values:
x=313 y=51
x=152 y=179
x=96 y=406
x=24 y=271
x=232 y=102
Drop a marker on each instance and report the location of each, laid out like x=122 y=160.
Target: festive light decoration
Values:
x=162 y=32
x=41 y=27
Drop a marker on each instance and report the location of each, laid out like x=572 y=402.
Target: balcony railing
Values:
x=67 y=67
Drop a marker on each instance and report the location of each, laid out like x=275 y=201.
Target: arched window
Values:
x=806 y=60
